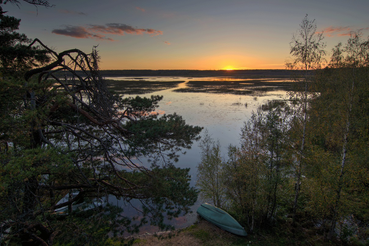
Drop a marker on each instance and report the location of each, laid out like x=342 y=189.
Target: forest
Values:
x=70 y=139
x=302 y=163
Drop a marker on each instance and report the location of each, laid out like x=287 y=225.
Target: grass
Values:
x=235 y=87
x=139 y=87
x=206 y=234
x=224 y=87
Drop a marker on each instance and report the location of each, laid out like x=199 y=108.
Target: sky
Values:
x=188 y=34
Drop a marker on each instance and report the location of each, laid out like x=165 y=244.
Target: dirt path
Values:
x=179 y=239
x=196 y=235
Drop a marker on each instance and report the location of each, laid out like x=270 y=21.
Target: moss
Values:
x=202 y=235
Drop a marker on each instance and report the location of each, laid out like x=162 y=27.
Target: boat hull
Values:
x=221 y=219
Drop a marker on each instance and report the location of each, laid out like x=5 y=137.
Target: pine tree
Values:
x=16 y=56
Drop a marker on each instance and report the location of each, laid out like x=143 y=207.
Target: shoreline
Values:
x=201 y=73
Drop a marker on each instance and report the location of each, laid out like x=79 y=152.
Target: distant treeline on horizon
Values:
x=246 y=74
x=199 y=73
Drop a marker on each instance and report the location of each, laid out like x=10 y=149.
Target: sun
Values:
x=228 y=68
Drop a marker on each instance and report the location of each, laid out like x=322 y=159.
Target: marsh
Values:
x=220 y=104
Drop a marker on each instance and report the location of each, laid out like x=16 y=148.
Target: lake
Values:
x=222 y=114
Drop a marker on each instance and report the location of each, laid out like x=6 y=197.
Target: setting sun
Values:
x=229 y=68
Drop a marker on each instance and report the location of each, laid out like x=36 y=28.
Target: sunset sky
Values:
x=188 y=34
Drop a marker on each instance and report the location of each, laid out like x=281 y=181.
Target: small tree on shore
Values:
x=210 y=178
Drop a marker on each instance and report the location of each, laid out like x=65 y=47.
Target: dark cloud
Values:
x=64 y=11
x=140 y=9
x=120 y=29
x=96 y=31
x=79 y=32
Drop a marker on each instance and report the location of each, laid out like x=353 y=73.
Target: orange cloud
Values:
x=337 y=31
x=166 y=42
x=140 y=9
x=340 y=31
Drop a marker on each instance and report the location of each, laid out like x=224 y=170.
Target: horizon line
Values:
x=184 y=69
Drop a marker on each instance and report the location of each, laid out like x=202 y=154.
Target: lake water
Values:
x=223 y=115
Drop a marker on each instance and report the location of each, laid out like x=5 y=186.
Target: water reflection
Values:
x=221 y=84
x=133 y=210
x=175 y=78
x=223 y=115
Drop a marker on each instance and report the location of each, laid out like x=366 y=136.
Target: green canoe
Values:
x=221 y=219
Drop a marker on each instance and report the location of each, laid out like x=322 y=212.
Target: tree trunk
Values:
x=301 y=154
x=343 y=160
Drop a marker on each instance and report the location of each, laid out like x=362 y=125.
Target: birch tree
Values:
x=209 y=176
x=339 y=135
x=307 y=47
x=357 y=53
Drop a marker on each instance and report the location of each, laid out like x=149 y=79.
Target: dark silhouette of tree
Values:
x=16 y=54
x=33 y=2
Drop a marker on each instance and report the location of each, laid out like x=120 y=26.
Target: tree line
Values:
x=302 y=162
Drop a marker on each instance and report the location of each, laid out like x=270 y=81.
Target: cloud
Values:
x=120 y=29
x=363 y=29
x=64 y=11
x=97 y=31
x=340 y=31
x=140 y=9
x=166 y=42
x=337 y=31
x=342 y=34
x=79 y=32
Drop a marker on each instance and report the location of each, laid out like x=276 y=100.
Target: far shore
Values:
x=262 y=73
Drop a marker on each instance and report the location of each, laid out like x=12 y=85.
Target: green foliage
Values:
x=339 y=137
x=94 y=229
x=202 y=235
x=303 y=164
x=256 y=168
x=148 y=132
x=210 y=176
x=15 y=54
x=69 y=134
x=49 y=150
x=165 y=193
x=250 y=184
x=307 y=46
